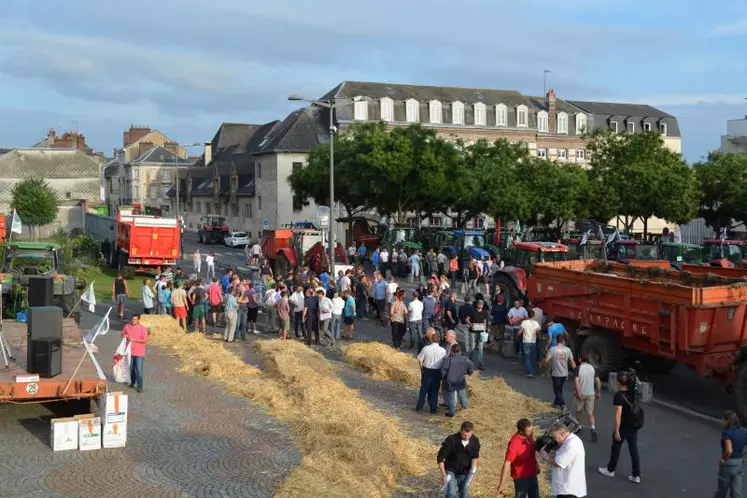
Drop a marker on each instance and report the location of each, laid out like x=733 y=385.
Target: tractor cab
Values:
x=678 y=254
x=527 y=254
x=465 y=244
x=592 y=249
x=717 y=252
x=400 y=237
x=212 y=230
x=627 y=250
x=364 y=231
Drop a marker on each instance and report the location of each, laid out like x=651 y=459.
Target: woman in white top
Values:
x=338 y=306
x=210 y=262
x=197 y=261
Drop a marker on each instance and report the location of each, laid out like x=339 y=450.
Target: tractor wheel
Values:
x=573 y=340
x=282 y=265
x=604 y=352
x=508 y=287
x=740 y=391
x=127 y=272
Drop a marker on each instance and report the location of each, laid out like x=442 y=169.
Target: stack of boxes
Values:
x=107 y=429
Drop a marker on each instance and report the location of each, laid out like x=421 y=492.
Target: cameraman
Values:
x=568 y=478
x=521 y=462
x=626 y=429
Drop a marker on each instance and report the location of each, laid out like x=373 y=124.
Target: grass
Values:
x=104 y=280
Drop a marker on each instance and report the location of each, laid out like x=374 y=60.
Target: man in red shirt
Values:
x=215 y=298
x=137 y=335
x=521 y=462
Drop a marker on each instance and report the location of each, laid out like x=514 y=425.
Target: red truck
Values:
x=136 y=242
x=663 y=317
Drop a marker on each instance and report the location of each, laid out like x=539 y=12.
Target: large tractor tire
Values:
x=604 y=352
x=740 y=391
x=282 y=265
x=508 y=287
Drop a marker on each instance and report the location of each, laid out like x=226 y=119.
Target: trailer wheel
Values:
x=508 y=287
x=604 y=352
x=282 y=265
x=740 y=391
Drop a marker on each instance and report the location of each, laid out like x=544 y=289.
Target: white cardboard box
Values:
x=113 y=408
x=89 y=433
x=64 y=434
x=114 y=435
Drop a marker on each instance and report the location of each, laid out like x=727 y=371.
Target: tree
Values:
x=560 y=192
x=35 y=201
x=722 y=179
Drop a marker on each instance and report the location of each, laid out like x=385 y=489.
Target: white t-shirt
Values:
x=391 y=288
x=338 y=305
x=586 y=378
x=384 y=256
x=256 y=250
x=344 y=283
x=539 y=315
x=529 y=329
x=569 y=478
x=432 y=356
x=298 y=297
x=325 y=305
x=351 y=251
x=209 y=260
x=415 y=310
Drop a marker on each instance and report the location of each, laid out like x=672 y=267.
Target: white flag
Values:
x=600 y=233
x=723 y=234
x=101 y=328
x=16 y=226
x=518 y=226
x=90 y=298
x=612 y=237
x=585 y=238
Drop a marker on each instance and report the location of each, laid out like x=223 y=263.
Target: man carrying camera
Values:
x=568 y=478
x=457 y=461
x=521 y=462
x=628 y=420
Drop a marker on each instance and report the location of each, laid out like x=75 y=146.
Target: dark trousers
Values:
x=361 y=304
x=631 y=436
x=381 y=310
x=557 y=389
x=311 y=326
x=527 y=487
x=430 y=380
x=398 y=332
x=298 y=322
x=566 y=496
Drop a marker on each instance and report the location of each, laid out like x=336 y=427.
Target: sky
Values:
x=185 y=66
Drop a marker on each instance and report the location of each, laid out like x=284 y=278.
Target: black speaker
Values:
x=47 y=356
x=44 y=321
x=41 y=290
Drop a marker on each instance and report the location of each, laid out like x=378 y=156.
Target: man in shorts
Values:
x=179 y=303
x=587 y=389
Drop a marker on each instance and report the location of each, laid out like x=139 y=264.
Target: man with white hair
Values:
x=568 y=475
x=450 y=341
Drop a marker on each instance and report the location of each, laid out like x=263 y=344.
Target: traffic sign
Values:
x=266 y=224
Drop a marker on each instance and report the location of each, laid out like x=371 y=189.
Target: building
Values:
x=68 y=140
x=73 y=174
x=735 y=139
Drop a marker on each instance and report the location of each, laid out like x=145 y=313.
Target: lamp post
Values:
x=330 y=104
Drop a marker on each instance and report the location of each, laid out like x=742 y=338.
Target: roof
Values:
x=620 y=109
x=34 y=245
x=301 y=132
x=111 y=171
x=49 y=163
x=158 y=154
x=233 y=134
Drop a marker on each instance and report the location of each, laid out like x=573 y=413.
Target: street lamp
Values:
x=330 y=104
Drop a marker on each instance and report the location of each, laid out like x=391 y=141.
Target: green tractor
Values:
x=678 y=254
x=23 y=261
x=401 y=237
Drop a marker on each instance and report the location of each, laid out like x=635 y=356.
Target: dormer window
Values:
x=663 y=128
x=522 y=116
x=562 y=123
x=435 y=111
x=412 y=110
x=501 y=115
x=457 y=113
x=613 y=126
x=360 y=110
x=646 y=126
x=542 y=122
x=580 y=123
x=631 y=126
x=479 y=114
x=387 y=109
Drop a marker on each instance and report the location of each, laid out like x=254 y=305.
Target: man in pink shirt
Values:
x=215 y=298
x=137 y=335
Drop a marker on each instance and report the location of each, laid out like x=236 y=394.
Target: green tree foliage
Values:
x=560 y=192
x=722 y=179
x=35 y=201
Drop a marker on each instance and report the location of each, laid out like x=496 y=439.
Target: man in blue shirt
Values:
x=361 y=253
x=553 y=331
x=375 y=259
x=225 y=280
x=380 y=296
x=324 y=279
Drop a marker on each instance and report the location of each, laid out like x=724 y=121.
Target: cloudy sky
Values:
x=185 y=66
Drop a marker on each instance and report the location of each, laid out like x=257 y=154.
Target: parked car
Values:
x=236 y=239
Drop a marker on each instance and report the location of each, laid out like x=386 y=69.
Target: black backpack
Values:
x=636 y=414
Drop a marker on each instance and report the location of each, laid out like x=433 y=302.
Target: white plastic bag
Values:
x=121 y=362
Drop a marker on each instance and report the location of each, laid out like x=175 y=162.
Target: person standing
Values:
x=450 y=342
x=441 y=259
x=242 y=316
x=297 y=302
x=498 y=312
x=515 y=316
x=338 y=307
x=348 y=315
x=270 y=307
x=415 y=320
x=231 y=313
x=256 y=253
x=197 y=297
x=398 y=319
x=453 y=270
x=179 y=303
x=430 y=357
x=587 y=389
x=225 y=280
x=210 y=266
x=568 y=474
x=429 y=309
x=325 y=315
x=120 y=294
x=463 y=328
x=197 y=261
x=284 y=315
x=454 y=371
x=215 y=300
x=391 y=291
x=731 y=463
x=375 y=259
x=521 y=463
x=167 y=298
x=384 y=258
x=415 y=265
x=137 y=335
x=457 y=461
x=380 y=297
x=559 y=358
x=529 y=330
x=147 y=298
x=311 y=317
x=451 y=316
x=478 y=324
x=361 y=254
x=252 y=307
x=628 y=421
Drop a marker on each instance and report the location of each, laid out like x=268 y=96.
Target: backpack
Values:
x=636 y=414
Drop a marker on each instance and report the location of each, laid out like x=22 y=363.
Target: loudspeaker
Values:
x=47 y=356
x=44 y=321
x=41 y=290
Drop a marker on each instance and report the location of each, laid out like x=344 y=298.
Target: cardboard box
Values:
x=113 y=408
x=89 y=433
x=64 y=434
x=85 y=415
x=114 y=435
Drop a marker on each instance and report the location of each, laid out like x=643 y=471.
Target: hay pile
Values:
x=349 y=448
x=203 y=357
x=494 y=408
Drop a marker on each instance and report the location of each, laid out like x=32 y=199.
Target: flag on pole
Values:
x=612 y=237
x=600 y=233
x=723 y=234
x=16 y=226
x=89 y=298
x=585 y=238
x=518 y=226
x=101 y=328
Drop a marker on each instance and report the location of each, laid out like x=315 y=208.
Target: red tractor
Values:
x=520 y=261
x=723 y=253
x=288 y=249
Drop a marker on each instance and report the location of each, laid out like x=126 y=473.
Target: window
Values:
x=259 y=202
x=249 y=210
x=457 y=113
x=235 y=209
x=387 y=109
x=613 y=126
x=580 y=154
x=646 y=126
x=580 y=123
x=360 y=110
x=297 y=203
x=68 y=195
x=437 y=221
x=631 y=127
x=542 y=121
x=412 y=111
x=165 y=175
x=663 y=128
x=135 y=173
x=562 y=123
x=411 y=222
x=435 y=111
x=259 y=170
x=501 y=115
x=136 y=192
x=479 y=114
x=542 y=153
x=562 y=153
x=198 y=206
x=522 y=116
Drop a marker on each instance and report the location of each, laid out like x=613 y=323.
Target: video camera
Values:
x=547 y=443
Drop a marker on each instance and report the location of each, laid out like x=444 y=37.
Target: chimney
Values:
x=134 y=134
x=172 y=147
x=50 y=137
x=552 y=116
x=144 y=147
x=208 y=153
x=80 y=141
